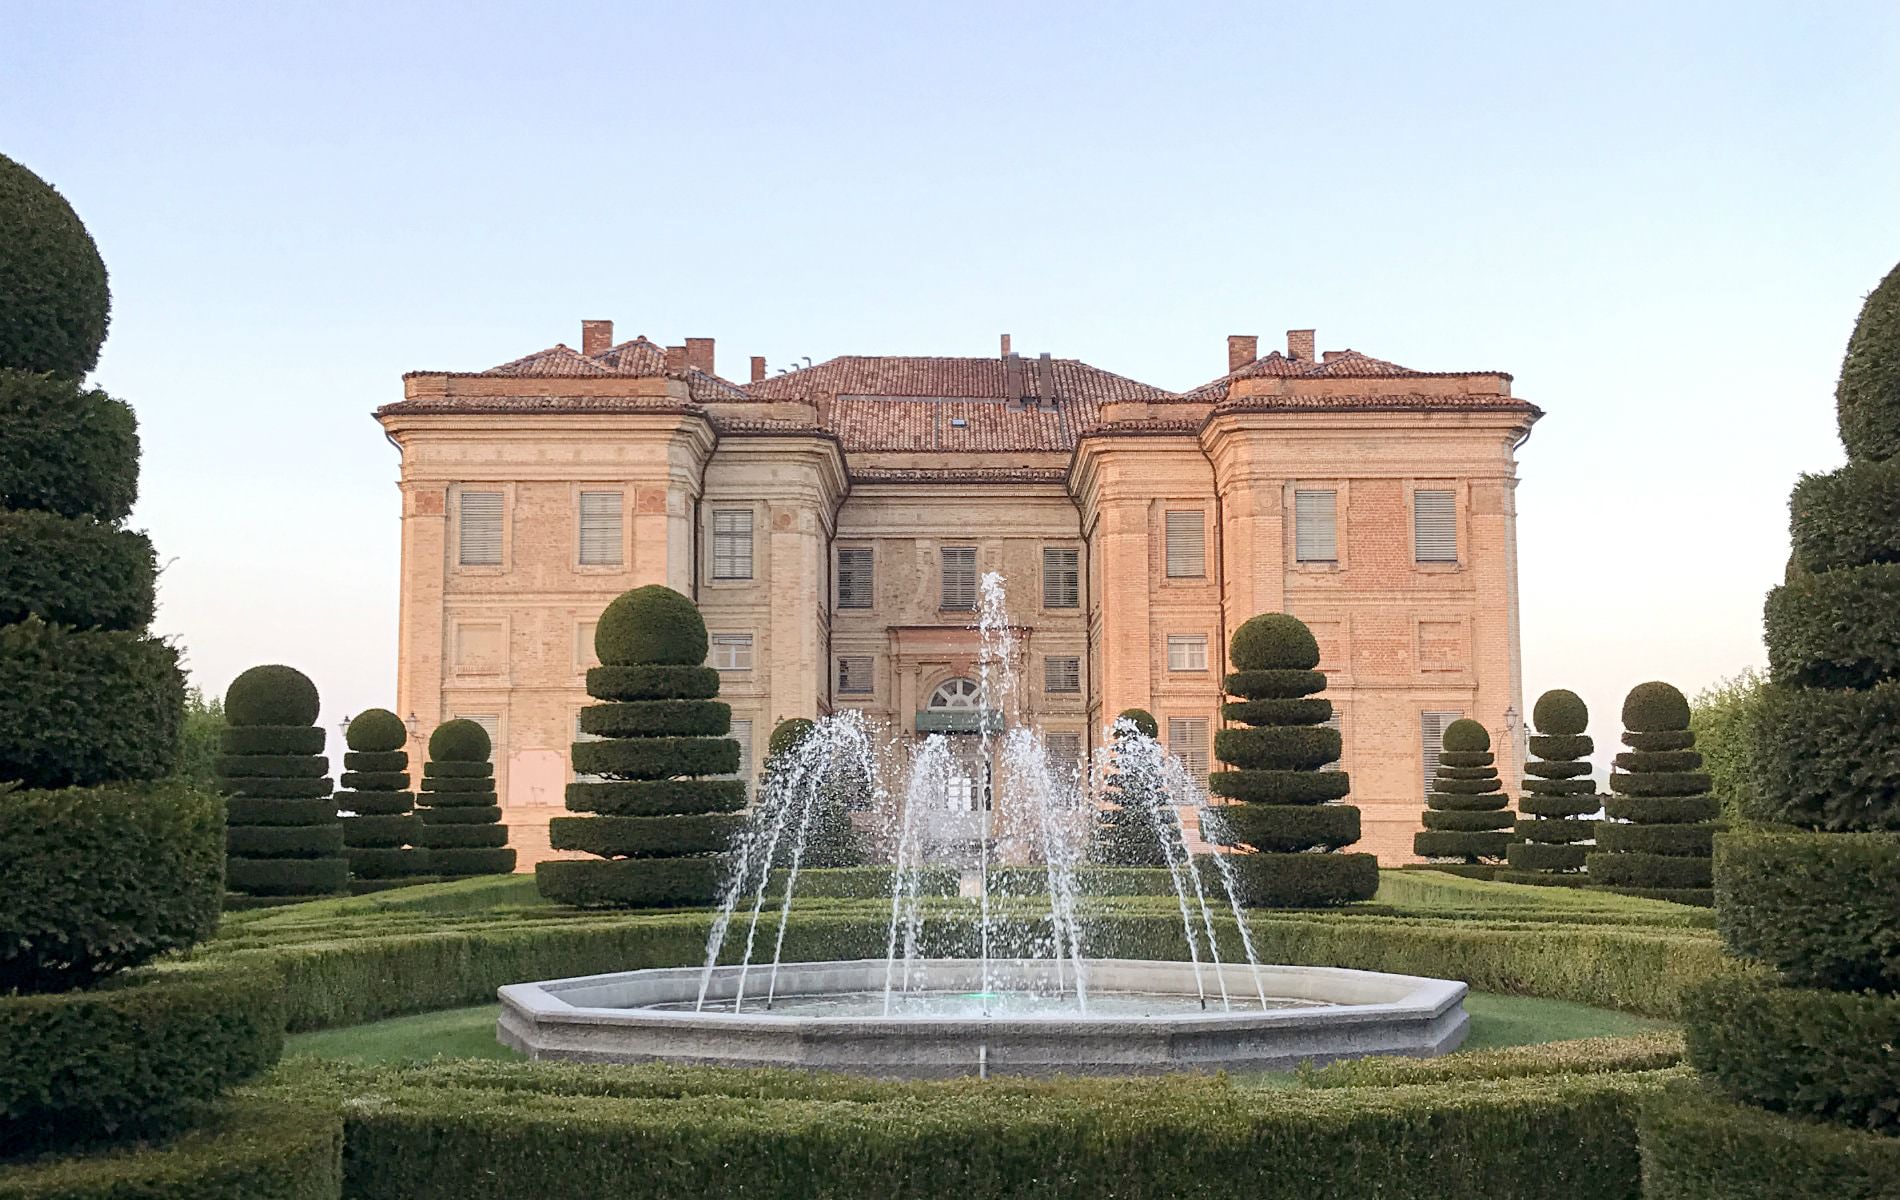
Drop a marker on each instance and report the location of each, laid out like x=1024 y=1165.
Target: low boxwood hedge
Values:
x=1819 y=907
x=644 y=837
x=1701 y=897
x=1656 y=1051
x=1699 y=1145
x=1825 y=759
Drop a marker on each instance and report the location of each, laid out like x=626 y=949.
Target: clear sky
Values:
x=1661 y=217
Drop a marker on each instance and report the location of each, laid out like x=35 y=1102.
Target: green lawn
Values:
x=1496 y=1021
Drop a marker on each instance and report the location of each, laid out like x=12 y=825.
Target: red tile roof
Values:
x=1335 y=364
x=948 y=378
x=881 y=423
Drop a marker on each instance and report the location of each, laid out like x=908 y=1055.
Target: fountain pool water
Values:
x=995 y=978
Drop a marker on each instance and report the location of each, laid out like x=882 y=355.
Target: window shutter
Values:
x=1435 y=526
x=1431 y=740
x=480 y=529
x=959 y=578
x=1187 y=741
x=1315 y=527
x=854 y=675
x=732 y=543
x=1061 y=580
x=854 y=578
x=1187 y=544
x=601 y=525
x=742 y=734
x=1062 y=674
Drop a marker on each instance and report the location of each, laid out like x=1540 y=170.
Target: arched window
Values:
x=955 y=695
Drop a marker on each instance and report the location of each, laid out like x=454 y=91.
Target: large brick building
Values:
x=833 y=521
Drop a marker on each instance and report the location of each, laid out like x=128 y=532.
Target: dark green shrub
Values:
x=381 y=835
x=1826 y=759
x=1557 y=790
x=1848 y=517
x=271 y=739
x=1144 y=721
x=69 y=450
x=459 y=799
x=1769 y=905
x=378 y=731
x=646 y=837
x=1835 y=629
x=622 y=882
x=283 y=838
x=1655 y=707
x=1274 y=768
x=656 y=797
x=820 y=832
x=1868 y=394
x=459 y=740
x=81 y=708
x=652 y=683
x=1468 y=818
x=787 y=736
x=650 y=626
x=271 y=695
x=74 y=571
x=1561 y=713
x=52 y=280
x=1698 y=1145
x=1662 y=794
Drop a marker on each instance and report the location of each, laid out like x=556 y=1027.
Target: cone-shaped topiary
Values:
x=1124 y=834
x=1553 y=837
x=381 y=834
x=1658 y=842
x=1467 y=816
x=1280 y=803
x=283 y=838
x=830 y=839
x=461 y=830
x=660 y=827
x=1798 y=1070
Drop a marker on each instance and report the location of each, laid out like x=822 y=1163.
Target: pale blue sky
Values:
x=1660 y=217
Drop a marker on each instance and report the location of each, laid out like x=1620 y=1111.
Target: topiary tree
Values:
x=461 y=833
x=831 y=840
x=1797 y=1062
x=1280 y=803
x=1559 y=793
x=1658 y=840
x=659 y=827
x=380 y=834
x=1124 y=833
x=1467 y=816
x=283 y=839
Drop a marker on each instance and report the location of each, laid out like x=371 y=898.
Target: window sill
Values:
x=1319 y=568
x=1439 y=568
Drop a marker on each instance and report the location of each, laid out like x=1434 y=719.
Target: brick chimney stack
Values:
x=597 y=337
x=675 y=359
x=758 y=367
x=1299 y=344
x=699 y=354
x=1242 y=348
x=1005 y=346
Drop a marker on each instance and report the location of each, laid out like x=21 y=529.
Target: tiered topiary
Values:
x=284 y=839
x=102 y=869
x=1553 y=836
x=1280 y=803
x=831 y=840
x=1800 y=1073
x=381 y=834
x=1468 y=816
x=1124 y=834
x=1658 y=842
x=462 y=833
x=660 y=826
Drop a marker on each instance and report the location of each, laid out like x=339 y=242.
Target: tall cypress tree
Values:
x=1558 y=793
x=284 y=840
x=1468 y=816
x=1658 y=840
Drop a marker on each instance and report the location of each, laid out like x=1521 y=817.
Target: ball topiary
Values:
x=376 y=730
x=1867 y=398
x=650 y=625
x=271 y=695
x=1273 y=642
x=788 y=735
x=1466 y=736
x=1655 y=707
x=459 y=740
x=1143 y=721
x=1560 y=713
x=1554 y=838
x=52 y=280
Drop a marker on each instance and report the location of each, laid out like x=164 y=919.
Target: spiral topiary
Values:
x=1280 y=804
x=659 y=828
x=1661 y=832
x=283 y=838
x=461 y=831
x=381 y=836
x=1467 y=816
x=1124 y=833
x=1554 y=838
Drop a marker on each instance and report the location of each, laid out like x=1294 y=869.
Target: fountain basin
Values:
x=1147 y=1018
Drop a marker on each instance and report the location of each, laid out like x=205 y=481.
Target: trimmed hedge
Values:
x=1530 y=857
x=1558 y=788
x=1847 y=518
x=1835 y=629
x=81 y=708
x=272 y=694
x=1820 y=908
x=646 y=837
x=635 y=683
x=1659 y=791
x=1867 y=397
x=631 y=882
x=1698 y=1145
x=1467 y=817
x=132 y=1057
x=1826 y=759
x=94 y=881
x=458 y=793
x=307 y=810
x=271 y=739
x=658 y=718
x=69 y=450
x=1656 y=1051
x=1279 y=787
x=271 y=766
x=656 y=757
x=1695 y=840
x=284 y=839
x=1276 y=880
x=74 y=571
x=1131 y=830
x=52 y=280
x=1274 y=684
x=1644 y=870
x=650 y=626
x=1280 y=828
x=287 y=876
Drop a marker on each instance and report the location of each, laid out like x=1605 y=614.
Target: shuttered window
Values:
x=1315 y=526
x=601 y=525
x=854 y=675
x=854 y=578
x=1187 y=741
x=491 y=724
x=732 y=651
x=1062 y=674
x=1187 y=652
x=959 y=578
x=1332 y=722
x=1061 y=579
x=732 y=543
x=1431 y=740
x=1435 y=526
x=1187 y=544
x=480 y=532
x=1065 y=754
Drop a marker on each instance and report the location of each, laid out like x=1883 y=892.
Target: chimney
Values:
x=758 y=367
x=1046 y=378
x=699 y=354
x=1299 y=344
x=1013 y=378
x=1242 y=348
x=1006 y=345
x=596 y=337
x=675 y=359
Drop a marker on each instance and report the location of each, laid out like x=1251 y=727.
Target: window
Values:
x=742 y=734
x=584 y=656
x=959 y=578
x=1187 y=544
x=732 y=651
x=1332 y=723
x=1431 y=740
x=600 y=528
x=1065 y=754
x=1187 y=652
x=1435 y=527
x=956 y=695
x=854 y=675
x=732 y=543
x=1315 y=527
x=480 y=533
x=1187 y=741
x=491 y=724
x=1061 y=579
x=582 y=736
x=854 y=578
x=1062 y=674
